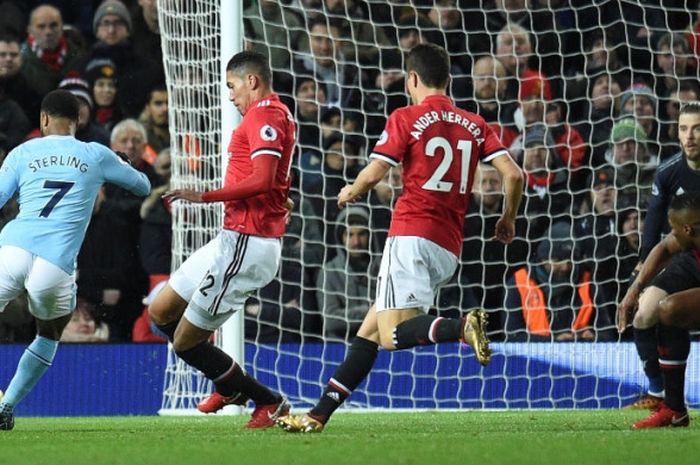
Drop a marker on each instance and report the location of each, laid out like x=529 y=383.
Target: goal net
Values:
x=584 y=94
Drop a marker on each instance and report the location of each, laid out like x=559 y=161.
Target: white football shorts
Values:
x=411 y=272
x=50 y=290
x=218 y=278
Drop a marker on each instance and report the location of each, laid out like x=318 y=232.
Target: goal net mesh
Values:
x=585 y=96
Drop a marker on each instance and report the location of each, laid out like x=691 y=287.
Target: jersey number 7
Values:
x=436 y=183
x=63 y=188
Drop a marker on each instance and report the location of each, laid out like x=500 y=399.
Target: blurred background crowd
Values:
x=584 y=94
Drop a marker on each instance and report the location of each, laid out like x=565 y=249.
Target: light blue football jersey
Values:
x=58 y=178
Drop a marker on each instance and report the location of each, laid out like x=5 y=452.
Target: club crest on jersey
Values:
x=383 y=138
x=268 y=133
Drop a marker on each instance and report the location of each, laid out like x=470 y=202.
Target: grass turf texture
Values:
x=470 y=437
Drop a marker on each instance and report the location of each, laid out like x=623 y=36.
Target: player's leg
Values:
x=51 y=298
x=166 y=312
x=646 y=342
x=242 y=264
x=681 y=309
x=413 y=273
x=358 y=363
x=679 y=276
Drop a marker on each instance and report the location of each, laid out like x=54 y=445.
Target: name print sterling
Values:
x=430 y=117
x=57 y=160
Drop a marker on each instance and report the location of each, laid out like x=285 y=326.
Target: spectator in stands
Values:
x=88 y=130
x=598 y=107
x=309 y=98
x=599 y=237
x=486 y=264
x=18 y=80
x=14 y=124
x=387 y=91
x=489 y=83
x=272 y=29
x=553 y=299
x=48 y=53
x=446 y=29
x=145 y=33
x=101 y=75
x=569 y=144
x=341 y=164
x=83 y=326
x=360 y=39
x=144 y=329
x=344 y=287
x=16 y=323
x=112 y=25
x=328 y=65
x=154 y=118
x=674 y=65
x=546 y=198
x=634 y=167
x=640 y=102
x=513 y=50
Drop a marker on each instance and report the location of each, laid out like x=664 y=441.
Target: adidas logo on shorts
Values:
x=334 y=395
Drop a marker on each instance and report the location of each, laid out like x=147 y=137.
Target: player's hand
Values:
x=346 y=196
x=289 y=205
x=627 y=307
x=184 y=194
x=505 y=230
x=124 y=157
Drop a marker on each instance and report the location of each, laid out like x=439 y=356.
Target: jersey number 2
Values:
x=436 y=183
x=63 y=188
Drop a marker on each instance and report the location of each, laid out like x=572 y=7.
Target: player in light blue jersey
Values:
x=57 y=178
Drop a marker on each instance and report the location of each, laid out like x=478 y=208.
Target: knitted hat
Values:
x=111 y=7
x=558 y=243
x=538 y=135
x=78 y=87
x=640 y=90
x=628 y=128
x=100 y=68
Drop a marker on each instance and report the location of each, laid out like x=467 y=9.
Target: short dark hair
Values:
x=61 y=103
x=431 y=63
x=686 y=201
x=9 y=37
x=690 y=108
x=251 y=62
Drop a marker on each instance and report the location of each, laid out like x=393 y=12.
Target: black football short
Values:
x=681 y=274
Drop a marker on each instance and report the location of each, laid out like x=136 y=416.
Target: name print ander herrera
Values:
x=57 y=160
x=430 y=117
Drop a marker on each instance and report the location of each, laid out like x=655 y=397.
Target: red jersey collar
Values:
x=436 y=98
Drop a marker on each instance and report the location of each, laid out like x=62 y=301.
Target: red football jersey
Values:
x=267 y=129
x=440 y=146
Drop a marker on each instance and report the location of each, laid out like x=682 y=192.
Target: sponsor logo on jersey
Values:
x=268 y=133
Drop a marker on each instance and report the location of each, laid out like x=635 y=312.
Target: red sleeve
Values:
x=392 y=144
x=492 y=145
x=259 y=182
x=266 y=131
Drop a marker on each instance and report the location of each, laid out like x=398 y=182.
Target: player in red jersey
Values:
x=439 y=146
x=216 y=280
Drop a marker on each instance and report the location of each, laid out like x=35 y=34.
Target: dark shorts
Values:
x=681 y=274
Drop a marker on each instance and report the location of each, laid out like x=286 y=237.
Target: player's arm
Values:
x=366 y=180
x=120 y=172
x=513 y=181
x=8 y=180
x=655 y=262
x=259 y=182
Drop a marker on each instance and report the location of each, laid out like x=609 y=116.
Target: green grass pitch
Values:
x=424 y=438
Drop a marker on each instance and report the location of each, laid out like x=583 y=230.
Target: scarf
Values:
x=54 y=59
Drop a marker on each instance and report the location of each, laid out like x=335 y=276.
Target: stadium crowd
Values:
x=584 y=94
